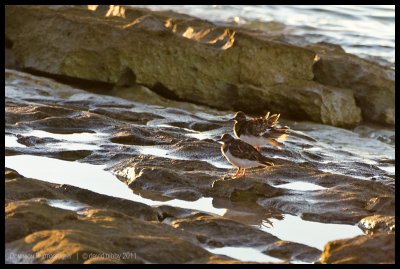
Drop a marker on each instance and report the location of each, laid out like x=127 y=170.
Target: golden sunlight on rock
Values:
x=191 y=34
x=114 y=10
x=92 y=7
x=168 y=23
x=195 y=134
x=230 y=41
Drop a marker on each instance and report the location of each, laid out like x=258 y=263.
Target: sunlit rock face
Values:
x=373 y=85
x=184 y=58
x=121 y=163
x=377 y=248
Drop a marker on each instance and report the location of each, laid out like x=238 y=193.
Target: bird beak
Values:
x=219 y=140
x=231 y=120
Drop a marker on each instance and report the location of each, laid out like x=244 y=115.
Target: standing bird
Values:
x=241 y=154
x=260 y=131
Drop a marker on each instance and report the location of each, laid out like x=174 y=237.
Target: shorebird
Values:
x=241 y=155
x=260 y=131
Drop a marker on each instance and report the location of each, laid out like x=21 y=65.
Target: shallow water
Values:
x=243 y=254
x=314 y=234
x=74 y=141
x=94 y=178
x=164 y=151
x=342 y=151
x=11 y=141
x=66 y=204
x=301 y=186
x=74 y=137
x=360 y=29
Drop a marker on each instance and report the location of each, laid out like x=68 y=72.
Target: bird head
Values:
x=225 y=138
x=239 y=116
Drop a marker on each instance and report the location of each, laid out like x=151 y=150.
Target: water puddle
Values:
x=74 y=141
x=11 y=141
x=301 y=186
x=67 y=204
x=72 y=146
x=245 y=254
x=314 y=234
x=74 y=137
x=201 y=135
x=165 y=153
x=390 y=169
x=157 y=151
x=94 y=178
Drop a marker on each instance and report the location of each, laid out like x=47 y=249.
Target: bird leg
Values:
x=237 y=173
x=244 y=172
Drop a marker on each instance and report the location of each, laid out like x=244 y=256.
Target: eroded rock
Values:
x=378 y=248
x=378 y=223
x=180 y=57
x=170 y=153
x=372 y=84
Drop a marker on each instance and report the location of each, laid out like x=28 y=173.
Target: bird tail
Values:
x=280 y=133
x=272 y=120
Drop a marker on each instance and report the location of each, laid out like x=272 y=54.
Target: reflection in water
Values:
x=67 y=204
x=251 y=214
x=156 y=151
x=314 y=234
x=243 y=254
x=390 y=169
x=165 y=152
x=74 y=137
x=72 y=146
x=11 y=141
x=301 y=186
x=94 y=178
x=285 y=226
x=74 y=141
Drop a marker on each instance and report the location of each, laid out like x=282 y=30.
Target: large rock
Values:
x=103 y=233
x=107 y=230
x=378 y=248
x=177 y=56
x=378 y=223
x=372 y=84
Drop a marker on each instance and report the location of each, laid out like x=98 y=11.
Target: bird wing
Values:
x=240 y=128
x=275 y=132
x=243 y=150
x=272 y=120
x=262 y=125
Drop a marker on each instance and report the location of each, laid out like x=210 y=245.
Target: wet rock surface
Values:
x=110 y=230
x=166 y=154
x=378 y=248
x=378 y=223
x=317 y=82
x=133 y=123
x=373 y=86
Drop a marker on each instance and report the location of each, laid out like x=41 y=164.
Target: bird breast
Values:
x=255 y=141
x=242 y=163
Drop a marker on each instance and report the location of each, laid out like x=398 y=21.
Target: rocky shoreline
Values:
x=184 y=58
x=147 y=125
